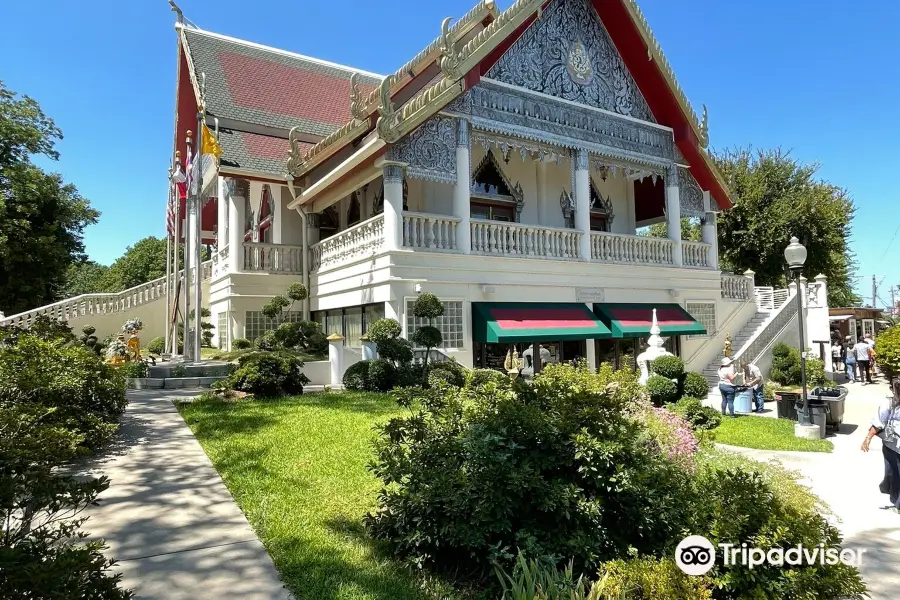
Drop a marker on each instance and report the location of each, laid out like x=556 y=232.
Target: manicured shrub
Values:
x=89 y=340
x=479 y=377
x=157 y=346
x=383 y=330
x=695 y=386
x=356 y=376
x=649 y=578
x=701 y=418
x=267 y=341
x=382 y=376
x=471 y=476
x=670 y=367
x=240 y=344
x=455 y=372
x=84 y=395
x=785 y=365
x=268 y=374
x=887 y=351
x=662 y=390
x=438 y=377
x=135 y=369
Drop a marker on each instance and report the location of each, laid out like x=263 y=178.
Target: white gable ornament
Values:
x=579 y=64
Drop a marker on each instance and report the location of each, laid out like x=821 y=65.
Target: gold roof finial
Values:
x=704 y=129
x=357 y=111
x=449 y=58
x=385 y=123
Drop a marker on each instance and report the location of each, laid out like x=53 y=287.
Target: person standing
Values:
x=871 y=342
x=886 y=425
x=836 y=354
x=863 y=351
x=754 y=380
x=726 y=385
x=850 y=361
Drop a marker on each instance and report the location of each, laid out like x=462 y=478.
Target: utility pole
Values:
x=893 y=303
x=874 y=291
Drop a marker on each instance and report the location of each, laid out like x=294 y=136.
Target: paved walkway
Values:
x=847 y=480
x=167 y=516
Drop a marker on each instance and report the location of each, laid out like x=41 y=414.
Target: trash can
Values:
x=818 y=414
x=786 y=403
x=833 y=400
x=743 y=400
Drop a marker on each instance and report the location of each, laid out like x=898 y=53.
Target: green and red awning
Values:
x=635 y=320
x=523 y=322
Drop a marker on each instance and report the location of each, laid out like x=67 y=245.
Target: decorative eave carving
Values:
x=704 y=130
x=449 y=62
x=357 y=110
x=386 y=124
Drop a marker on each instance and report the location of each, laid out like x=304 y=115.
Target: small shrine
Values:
x=655 y=349
x=120 y=350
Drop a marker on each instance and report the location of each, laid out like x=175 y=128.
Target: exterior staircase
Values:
x=774 y=312
x=754 y=326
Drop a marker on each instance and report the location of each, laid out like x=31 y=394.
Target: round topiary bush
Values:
x=384 y=330
x=662 y=390
x=268 y=374
x=456 y=373
x=479 y=377
x=670 y=367
x=382 y=376
x=356 y=377
x=695 y=386
x=240 y=344
x=267 y=341
x=157 y=345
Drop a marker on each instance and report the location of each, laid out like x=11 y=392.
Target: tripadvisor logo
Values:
x=696 y=555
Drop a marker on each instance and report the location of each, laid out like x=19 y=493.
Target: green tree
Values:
x=690 y=230
x=42 y=219
x=775 y=197
x=86 y=277
x=142 y=262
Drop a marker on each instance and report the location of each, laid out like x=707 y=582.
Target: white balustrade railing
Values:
x=737 y=287
x=696 y=254
x=272 y=258
x=362 y=240
x=499 y=238
x=762 y=339
x=769 y=299
x=429 y=232
x=100 y=304
x=614 y=247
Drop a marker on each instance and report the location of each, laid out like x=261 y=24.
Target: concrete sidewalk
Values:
x=847 y=480
x=167 y=516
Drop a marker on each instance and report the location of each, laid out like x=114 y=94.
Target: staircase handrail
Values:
x=61 y=309
x=760 y=341
x=768 y=298
x=721 y=328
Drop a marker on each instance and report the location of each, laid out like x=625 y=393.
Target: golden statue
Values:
x=512 y=364
x=134 y=347
x=728 y=344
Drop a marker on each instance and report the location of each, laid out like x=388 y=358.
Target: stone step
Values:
x=171 y=383
x=207 y=368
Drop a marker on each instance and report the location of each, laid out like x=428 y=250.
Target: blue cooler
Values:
x=743 y=401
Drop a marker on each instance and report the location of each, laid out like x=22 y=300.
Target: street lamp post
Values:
x=795 y=255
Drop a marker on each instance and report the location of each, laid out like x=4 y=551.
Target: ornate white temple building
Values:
x=507 y=168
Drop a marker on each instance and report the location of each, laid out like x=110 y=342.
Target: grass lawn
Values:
x=764 y=433
x=297 y=468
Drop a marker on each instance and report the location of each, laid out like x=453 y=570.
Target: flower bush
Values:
x=132 y=326
x=671 y=434
x=116 y=349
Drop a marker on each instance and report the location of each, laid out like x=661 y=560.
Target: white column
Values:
x=191 y=273
x=277 y=215
x=673 y=213
x=582 y=178
x=462 y=189
x=369 y=350
x=543 y=206
x=709 y=231
x=177 y=282
x=590 y=348
x=221 y=214
x=169 y=288
x=256 y=189
x=393 y=206
x=236 y=218
x=336 y=358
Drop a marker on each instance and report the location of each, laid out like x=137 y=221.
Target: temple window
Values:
x=354 y=211
x=493 y=197
x=601 y=210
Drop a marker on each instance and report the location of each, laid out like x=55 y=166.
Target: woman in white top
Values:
x=886 y=425
x=726 y=385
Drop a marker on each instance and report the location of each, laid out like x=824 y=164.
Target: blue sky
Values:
x=818 y=77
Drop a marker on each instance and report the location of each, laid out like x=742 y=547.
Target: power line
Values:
x=888 y=246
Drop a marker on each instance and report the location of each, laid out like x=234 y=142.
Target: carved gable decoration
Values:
x=689 y=194
x=429 y=151
x=489 y=181
x=568 y=53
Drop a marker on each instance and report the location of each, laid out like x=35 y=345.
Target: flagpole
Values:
x=168 y=259
x=198 y=205
x=172 y=323
x=188 y=254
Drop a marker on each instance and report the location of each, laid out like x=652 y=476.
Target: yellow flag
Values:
x=210 y=145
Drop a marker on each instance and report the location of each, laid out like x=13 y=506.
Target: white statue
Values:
x=654 y=350
x=528 y=357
